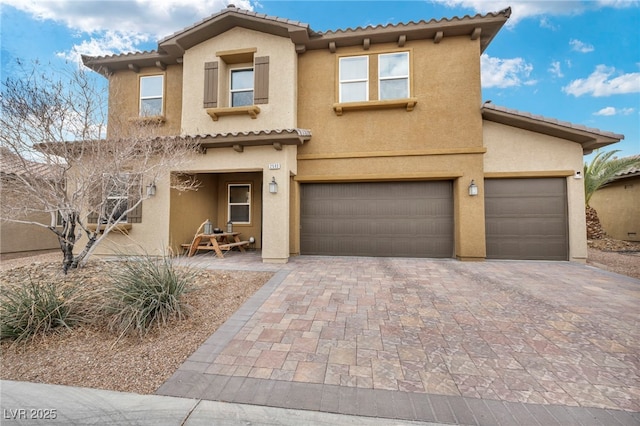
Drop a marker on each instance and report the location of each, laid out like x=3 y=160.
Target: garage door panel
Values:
x=413 y=219
x=526 y=219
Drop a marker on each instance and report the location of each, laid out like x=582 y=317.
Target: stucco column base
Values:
x=470 y=259
x=275 y=260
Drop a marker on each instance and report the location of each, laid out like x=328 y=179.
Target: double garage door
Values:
x=524 y=219
x=406 y=219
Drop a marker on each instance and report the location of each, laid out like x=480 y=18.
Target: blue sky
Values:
x=576 y=61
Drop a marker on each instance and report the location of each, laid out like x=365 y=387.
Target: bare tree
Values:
x=52 y=128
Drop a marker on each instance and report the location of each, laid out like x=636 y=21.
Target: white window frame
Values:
x=155 y=96
x=230 y=204
x=232 y=90
x=112 y=195
x=358 y=80
x=395 y=77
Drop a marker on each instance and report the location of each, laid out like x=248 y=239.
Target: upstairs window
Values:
x=246 y=85
x=239 y=203
x=393 y=75
x=354 y=79
x=151 y=95
x=241 y=87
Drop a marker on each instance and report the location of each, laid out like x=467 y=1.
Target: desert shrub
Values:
x=37 y=308
x=146 y=291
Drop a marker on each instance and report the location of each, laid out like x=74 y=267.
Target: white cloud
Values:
x=520 y=9
x=118 y=26
x=604 y=81
x=619 y=4
x=607 y=111
x=556 y=69
x=111 y=42
x=580 y=46
x=503 y=73
x=546 y=23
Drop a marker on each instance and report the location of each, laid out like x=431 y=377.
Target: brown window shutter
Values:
x=135 y=215
x=211 y=84
x=92 y=218
x=261 y=75
x=95 y=198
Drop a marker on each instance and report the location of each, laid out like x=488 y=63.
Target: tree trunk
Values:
x=79 y=259
x=594 y=227
x=67 y=241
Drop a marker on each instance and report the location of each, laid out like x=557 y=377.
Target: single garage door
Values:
x=403 y=219
x=526 y=219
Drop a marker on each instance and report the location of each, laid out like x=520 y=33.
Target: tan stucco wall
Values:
x=445 y=81
x=18 y=237
x=618 y=207
x=441 y=139
x=124 y=99
x=151 y=236
x=189 y=209
x=280 y=112
x=514 y=152
x=169 y=219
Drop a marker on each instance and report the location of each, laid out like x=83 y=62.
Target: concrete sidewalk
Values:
x=37 y=404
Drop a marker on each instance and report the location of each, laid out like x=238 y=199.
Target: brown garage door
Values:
x=526 y=219
x=406 y=219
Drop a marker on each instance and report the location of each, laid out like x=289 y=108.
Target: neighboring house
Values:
x=618 y=205
x=20 y=238
x=375 y=136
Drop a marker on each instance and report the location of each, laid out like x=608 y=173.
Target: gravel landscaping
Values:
x=91 y=356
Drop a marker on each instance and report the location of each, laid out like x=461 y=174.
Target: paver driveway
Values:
x=547 y=333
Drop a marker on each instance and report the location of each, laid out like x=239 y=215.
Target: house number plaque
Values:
x=274 y=166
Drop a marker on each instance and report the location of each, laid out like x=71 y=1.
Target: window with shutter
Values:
x=119 y=193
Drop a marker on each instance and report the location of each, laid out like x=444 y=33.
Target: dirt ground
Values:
x=622 y=257
x=91 y=356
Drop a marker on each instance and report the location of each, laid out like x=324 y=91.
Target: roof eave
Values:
x=277 y=139
x=590 y=140
x=132 y=61
x=178 y=43
x=483 y=27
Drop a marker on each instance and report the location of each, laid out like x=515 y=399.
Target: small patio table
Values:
x=216 y=242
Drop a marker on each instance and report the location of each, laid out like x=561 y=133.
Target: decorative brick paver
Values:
x=548 y=333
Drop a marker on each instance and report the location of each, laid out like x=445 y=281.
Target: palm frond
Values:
x=603 y=168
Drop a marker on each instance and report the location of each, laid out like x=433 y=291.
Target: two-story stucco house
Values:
x=377 y=139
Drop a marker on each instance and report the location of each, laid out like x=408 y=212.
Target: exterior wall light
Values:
x=151 y=189
x=473 y=189
x=578 y=175
x=273 y=186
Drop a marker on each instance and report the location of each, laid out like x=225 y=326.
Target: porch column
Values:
x=275 y=208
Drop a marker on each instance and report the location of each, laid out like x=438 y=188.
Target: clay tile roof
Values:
x=630 y=172
x=11 y=164
x=433 y=21
x=171 y=48
x=232 y=8
x=276 y=137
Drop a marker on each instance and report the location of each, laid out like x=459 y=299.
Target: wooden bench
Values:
x=239 y=244
x=210 y=242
